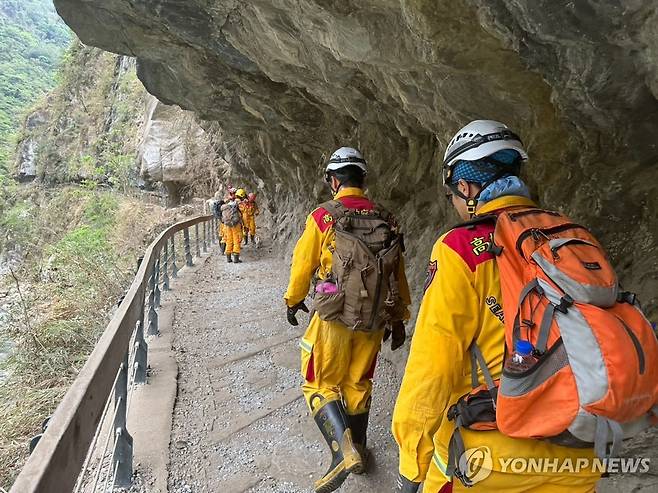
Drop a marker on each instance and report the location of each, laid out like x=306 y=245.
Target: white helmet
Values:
x=479 y=139
x=346 y=156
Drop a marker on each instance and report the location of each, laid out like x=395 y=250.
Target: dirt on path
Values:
x=240 y=423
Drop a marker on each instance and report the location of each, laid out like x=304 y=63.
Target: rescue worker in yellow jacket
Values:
x=249 y=210
x=213 y=206
x=462 y=304
x=232 y=228
x=241 y=197
x=338 y=362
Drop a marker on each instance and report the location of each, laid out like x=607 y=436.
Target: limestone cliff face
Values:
x=26 y=155
x=165 y=150
x=286 y=81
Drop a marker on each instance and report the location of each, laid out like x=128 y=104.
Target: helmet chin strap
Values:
x=472 y=202
x=334 y=192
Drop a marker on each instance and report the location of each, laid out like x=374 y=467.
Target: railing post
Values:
x=165 y=272
x=141 y=351
x=205 y=236
x=186 y=244
x=174 y=267
x=122 y=460
x=141 y=348
x=153 y=314
x=196 y=240
x=156 y=268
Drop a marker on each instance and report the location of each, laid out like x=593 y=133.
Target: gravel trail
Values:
x=240 y=423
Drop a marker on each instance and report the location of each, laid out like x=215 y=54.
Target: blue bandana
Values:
x=482 y=171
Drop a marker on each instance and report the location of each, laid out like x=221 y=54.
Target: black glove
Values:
x=406 y=486
x=396 y=329
x=292 y=312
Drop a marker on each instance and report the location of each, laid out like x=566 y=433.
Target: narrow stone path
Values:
x=240 y=423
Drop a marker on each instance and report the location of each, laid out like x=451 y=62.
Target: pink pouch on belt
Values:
x=326 y=287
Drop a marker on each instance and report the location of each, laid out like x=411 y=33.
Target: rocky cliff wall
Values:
x=286 y=81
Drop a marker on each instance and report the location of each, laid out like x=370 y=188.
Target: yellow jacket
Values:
x=248 y=209
x=312 y=254
x=462 y=302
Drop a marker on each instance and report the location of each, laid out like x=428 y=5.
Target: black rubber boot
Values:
x=359 y=426
x=236 y=258
x=345 y=459
x=229 y=259
x=406 y=486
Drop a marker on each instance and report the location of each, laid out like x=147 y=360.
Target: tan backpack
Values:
x=231 y=214
x=364 y=272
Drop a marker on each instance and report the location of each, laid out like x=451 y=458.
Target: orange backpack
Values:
x=595 y=380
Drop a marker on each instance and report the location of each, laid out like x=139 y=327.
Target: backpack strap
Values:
x=477 y=360
x=525 y=292
x=336 y=208
x=456 y=447
x=607 y=428
x=487 y=218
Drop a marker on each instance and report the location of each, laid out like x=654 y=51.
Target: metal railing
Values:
x=67 y=456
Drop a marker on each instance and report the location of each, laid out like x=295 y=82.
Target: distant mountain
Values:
x=32 y=40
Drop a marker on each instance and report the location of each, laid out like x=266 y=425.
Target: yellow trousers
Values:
x=220 y=233
x=233 y=238
x=501 y=482
x=249 y=225
x=339 y=363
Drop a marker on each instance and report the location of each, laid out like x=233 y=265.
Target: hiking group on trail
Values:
x=237 y=221
x=525 y=347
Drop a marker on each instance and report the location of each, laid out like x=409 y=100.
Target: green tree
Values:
x=33 y=38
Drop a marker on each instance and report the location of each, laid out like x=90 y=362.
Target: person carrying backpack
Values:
x=217 y=212
x=525 y=349
x=232 y=230
x=249 y=210
x=352 y=251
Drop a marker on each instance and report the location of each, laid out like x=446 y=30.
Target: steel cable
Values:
x=96 y=435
